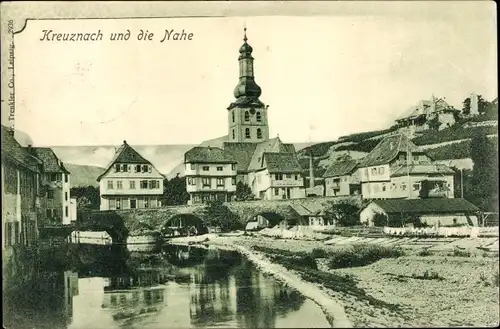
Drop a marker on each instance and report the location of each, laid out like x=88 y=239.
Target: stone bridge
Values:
x=133 y=220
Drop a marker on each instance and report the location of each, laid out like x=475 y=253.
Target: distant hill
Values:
x=83 y=175
x=450 y=146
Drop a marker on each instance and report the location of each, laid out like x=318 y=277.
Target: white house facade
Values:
x=130 y=181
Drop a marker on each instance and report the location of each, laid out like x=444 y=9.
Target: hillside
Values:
x=83 y=175
x=450 y=146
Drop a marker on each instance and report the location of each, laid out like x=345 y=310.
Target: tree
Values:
x=243 y=192
x=466 y=106
x=174 y=191
x=86 y=196
x=434 y=123
x=344 y=214
x=482 y=104
x=219 y=215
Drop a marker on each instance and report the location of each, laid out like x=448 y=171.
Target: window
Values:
x=219 y=168
x=374 y=171
x=206 y=168
x=110 y=184
x=247 y=132
x=247 y=116
x=278 y=176
x=193 y=166
x=50 y=194
x=124 y=168
x=259 y=133
x=259 y=117
x=205 y=181
x=296 y=177
x=151 y=184
x=66 y=196
x=233 y=180
x=191 y=181
x=66 y=212
x=53 y=177
x=117 y=168
x=144 y=168
x=233 y=134
x=146 y=202
x=220 y=181
x=137 y=168
x=119 y=185
x=403 y=187
x=233 y=166
x=150 y=168
x=276 y=191
x=118 y=203
x=288 y=176
x=133 y=203
x=112 y=204
x=381 y=170
x=144 y=184
x=232 y=115
x=66 y=178
x=384 y=188
x=416 y=187
x=132 y=184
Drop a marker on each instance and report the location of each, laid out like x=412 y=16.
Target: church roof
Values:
x=273 y=145
x=340 y=168
x=282 y=163
x=13 y=150
x=208 y=154
x=51 y=163
x=127 y=155
x=242 y=153
x=387 y=150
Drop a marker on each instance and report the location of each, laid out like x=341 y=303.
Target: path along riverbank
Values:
x=420 y=288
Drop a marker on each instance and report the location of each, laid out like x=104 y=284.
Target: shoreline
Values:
x=453 y=289
x=333 y=311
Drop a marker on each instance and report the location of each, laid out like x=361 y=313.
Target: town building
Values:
x=130 y=181
x=57 y=180
x=269 y=166
x=22 y=193
x=396 y=168
x=421 y=116
x=341 y=178
x=441 y=211
x=210 y=174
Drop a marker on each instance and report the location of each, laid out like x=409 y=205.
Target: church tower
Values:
x=247 y=115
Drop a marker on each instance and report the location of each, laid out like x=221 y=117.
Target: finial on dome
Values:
x=245 y=33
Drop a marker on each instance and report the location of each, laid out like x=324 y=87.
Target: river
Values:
x=171 y=287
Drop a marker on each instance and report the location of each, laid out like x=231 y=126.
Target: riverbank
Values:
x=418 y=288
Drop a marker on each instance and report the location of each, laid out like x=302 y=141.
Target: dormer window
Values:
x=117 y=168
x=144 y=168
x=247 y=116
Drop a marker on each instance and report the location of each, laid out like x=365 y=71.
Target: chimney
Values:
x=30 y=149
x=124 y=142
x=311 y=170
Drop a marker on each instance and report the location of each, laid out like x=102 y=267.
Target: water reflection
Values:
x=176 y=287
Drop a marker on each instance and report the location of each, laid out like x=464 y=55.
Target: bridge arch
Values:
x=182 y=224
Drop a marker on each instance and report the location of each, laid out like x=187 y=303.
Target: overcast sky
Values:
x=322 y=77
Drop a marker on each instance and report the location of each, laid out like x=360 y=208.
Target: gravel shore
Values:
x=436 y=290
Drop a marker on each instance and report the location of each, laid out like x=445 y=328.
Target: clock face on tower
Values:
x=252 y=111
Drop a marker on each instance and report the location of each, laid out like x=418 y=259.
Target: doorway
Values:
x=133 y=203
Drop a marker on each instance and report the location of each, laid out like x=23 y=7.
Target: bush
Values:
x=319 y=253
x=425 y=253
x=461 y=253
x=361 y=255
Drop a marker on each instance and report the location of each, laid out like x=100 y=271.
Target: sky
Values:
x=322 y=76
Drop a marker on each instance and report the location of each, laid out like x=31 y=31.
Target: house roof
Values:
x=273 y=145
x=200 y=154
x=416 y=169
x=282 y=163
x=310 y=210
x=340 y=168
x=125 y=154
x=13 y=150
x=421 y=206
x=51 y=163
x=388 y=149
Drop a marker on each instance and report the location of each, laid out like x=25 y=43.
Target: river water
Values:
x=173 y=287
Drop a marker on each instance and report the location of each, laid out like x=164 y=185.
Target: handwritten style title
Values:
x=142 y=35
